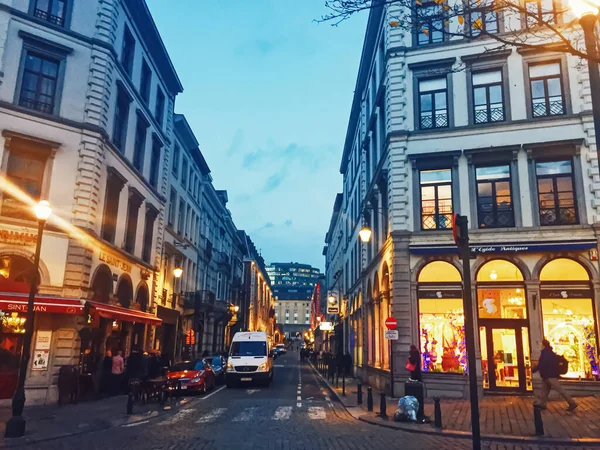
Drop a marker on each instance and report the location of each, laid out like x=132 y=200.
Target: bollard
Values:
x=130 y=403
x=359 y=394
x=537 y=419
x=369 y=399
x=337 y=379
x=163 y=396
x=437 y=412
x=344 y=384
x=383 y=407
x=178 y=388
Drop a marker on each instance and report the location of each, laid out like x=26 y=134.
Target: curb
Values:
x=455 y=433
x=107 y=425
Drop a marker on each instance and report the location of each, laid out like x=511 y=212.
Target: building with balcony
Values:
x=504 y=136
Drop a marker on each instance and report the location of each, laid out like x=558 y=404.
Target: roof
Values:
x=369 y=45
x=337 y=206
x=185 y=134
x=147 y=27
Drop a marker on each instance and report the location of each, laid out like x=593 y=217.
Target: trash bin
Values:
x=68 y=383
x=416 y=389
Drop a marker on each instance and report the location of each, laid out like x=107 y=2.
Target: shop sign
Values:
x=42 y=340
x=517 y=247
x=441 y=293
x=326 y=326
x=114 y=261
x=566 y=293
x=17 y=238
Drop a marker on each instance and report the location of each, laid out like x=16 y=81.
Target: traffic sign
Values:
x=392 y=335
x=391 y=323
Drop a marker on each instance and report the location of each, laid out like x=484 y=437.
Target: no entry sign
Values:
x=391 y=323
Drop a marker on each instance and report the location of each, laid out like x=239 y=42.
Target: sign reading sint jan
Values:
x=114 y=261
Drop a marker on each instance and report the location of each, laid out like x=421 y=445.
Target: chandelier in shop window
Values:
x=13 y=323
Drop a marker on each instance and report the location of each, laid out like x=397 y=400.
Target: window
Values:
x=128 y=50
x=483 y=17
x=24 y=169
x=121 y=118
x=172 y=207
x=539 y=12
x=146 y=81
x=494 y=201
x=556 y=193
x=184 y=173
x=135 y=201
x=181 y=217
x=430 y=21
x=547 y=97
x=159 y=111
x=114 y=185
x=188 y=218
x=191 y=180
x=155 y=163
x=488 y=102
x=436 y=199
x=39 y=83
x=139 y=147
x=53 y=11
x=433 y=99
x=176 y=157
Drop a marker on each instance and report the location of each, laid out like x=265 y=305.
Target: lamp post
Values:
x=15 y=427
x=587 y=12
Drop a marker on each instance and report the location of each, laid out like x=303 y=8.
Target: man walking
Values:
x=548 y=366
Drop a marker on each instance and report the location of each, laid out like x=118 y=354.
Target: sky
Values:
x=268 y=92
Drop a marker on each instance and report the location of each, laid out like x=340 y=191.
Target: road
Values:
x=295 y=412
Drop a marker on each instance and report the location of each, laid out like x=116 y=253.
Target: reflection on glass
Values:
x=506 y=303
x=443 y=345
x=484 y=358
x=569 y=325
x=506 y=364
x=527 y=358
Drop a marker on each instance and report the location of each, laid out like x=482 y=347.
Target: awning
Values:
x=127 y=315
x=17 y=302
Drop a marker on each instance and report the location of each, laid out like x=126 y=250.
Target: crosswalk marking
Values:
x=212 y=416
x=246 y=415
x=177 y=417
x=283 y=413
x=316 y=412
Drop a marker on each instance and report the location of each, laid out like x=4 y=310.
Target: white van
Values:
x=249 y=359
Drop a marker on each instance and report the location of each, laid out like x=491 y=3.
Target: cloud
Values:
x=269 y=225
x=274 y=181
x=236 y=143
x=253 y=159
x=305 y=157
x=288 y=223
x=263 y=47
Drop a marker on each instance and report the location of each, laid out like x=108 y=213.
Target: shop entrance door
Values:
x=505 y=357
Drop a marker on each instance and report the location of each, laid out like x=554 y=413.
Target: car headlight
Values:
x=230 y=367
x=262 y=367
x=196 y=379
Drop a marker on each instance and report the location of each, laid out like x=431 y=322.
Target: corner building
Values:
x=443 y=126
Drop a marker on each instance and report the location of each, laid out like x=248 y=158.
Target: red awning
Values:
x=17 y=302
x=127 y=315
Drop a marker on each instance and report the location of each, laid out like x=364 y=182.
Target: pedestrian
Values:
x=549 y=368
x=413 y=365
x=118 y=367
x=105 y=377
x=348 y=364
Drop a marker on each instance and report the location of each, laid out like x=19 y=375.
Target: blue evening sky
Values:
x=268 y=94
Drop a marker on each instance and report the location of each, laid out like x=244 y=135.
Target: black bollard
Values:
x=130 y=403
x=178 y=388
x=344 y=384
x=369 y=399
x=437 y=412
x=383 y=407
x=163 y=396
x=359 y=394
x=337 y=379
x=537 y=419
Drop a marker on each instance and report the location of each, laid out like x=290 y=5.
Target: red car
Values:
x=195 y=376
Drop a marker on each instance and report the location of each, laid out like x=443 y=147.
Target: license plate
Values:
x=245 y=379
x=183 y=388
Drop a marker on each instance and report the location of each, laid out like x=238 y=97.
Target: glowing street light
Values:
x=177 y=272
x=365 y=234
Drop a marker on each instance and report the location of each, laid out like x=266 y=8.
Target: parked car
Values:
x=195 y=376
x=281 y=349
x=218 y=364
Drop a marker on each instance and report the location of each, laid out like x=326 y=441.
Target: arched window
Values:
x=501 y=291
x=568 y=316
x=441 y=318
x=102 y=284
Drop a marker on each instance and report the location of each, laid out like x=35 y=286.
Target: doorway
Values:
x=505 y=357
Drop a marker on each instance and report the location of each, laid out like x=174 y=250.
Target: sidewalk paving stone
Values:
x=501 y=417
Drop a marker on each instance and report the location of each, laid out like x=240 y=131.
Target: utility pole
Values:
x=460 y=230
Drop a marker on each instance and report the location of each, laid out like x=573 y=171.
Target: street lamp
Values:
x=365 y=233
x=15 y=427
x=587 y=12
x=177 y=272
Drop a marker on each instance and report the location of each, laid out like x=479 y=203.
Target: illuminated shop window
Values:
x=568 y=316
x=441 y=319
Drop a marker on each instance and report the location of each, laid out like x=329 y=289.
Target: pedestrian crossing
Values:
x=254 y=414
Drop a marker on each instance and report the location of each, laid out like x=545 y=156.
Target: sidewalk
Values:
x=502 y=418
x=53 y=421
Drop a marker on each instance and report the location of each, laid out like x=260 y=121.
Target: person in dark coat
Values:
x=414 y=358
x=549 y=371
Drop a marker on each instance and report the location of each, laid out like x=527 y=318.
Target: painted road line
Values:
x=177 y=417
x=246 y=415
x=252 y=391
x=213 y=393
x=212 y=416
x=135 y=424
x=283 y=413
x=316 y=413
x=299 y=405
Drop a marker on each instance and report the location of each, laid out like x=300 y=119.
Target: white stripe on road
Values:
x=246 y=415
x=177 y=417
x=299 y=398
x=299 y=405
x=316 y=412
x=252 y=391
x=135 y=424
x=283 y=413
x=213 y=393
x=212 y=416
